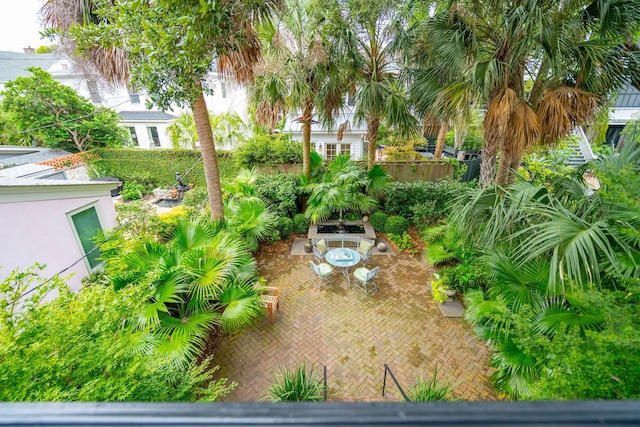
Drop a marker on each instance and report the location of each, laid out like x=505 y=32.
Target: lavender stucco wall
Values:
x=39 y=231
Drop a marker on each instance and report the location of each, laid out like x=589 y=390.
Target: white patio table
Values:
x=343 y=258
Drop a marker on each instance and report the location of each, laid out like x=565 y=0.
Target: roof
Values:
x=37 y=155
x=31 y=189
x=628 y=97
x=145 y=116
x=14 y=64
x=27 y=170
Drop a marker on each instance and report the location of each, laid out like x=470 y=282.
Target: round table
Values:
x=343 y=258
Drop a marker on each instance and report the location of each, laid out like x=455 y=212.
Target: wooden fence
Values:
x=400 y=171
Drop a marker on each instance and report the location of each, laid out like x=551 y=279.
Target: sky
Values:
x=20 y=25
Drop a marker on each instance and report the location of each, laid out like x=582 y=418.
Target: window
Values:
x=153 y=135
x=351 y=100
x=133 y=136
x=86 y=226
x=223 y=90
x=345 y=149
x=94 y=92
x=134 y=98
x=332 y=150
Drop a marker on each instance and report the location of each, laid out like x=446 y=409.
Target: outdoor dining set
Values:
x=344 y=258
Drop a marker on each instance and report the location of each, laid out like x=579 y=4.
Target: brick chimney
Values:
x=29 y=50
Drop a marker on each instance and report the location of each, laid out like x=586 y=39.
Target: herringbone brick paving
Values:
x=354 y=335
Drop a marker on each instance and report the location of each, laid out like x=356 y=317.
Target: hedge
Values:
x=157 y=167
x=414 y=200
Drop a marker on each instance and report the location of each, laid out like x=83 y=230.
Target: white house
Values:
x=626 y=107
x=53 y=222
x=326 y=142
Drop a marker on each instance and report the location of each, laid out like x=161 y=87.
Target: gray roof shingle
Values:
x=13 y=64
x=145 y=116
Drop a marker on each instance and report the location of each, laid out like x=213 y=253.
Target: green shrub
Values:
x=404 y=242
x=300 y=224
x=280 y=191
x=296 y=385
x=377 y=220
x=268 y=149
x=421 y=201
x=396 y=225
x=197 y=197
x=158 y=167
x=284 y=226
x=133 y=190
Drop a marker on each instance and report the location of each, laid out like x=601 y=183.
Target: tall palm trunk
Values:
x=307 y=115
x=373 y=123
x=504 y=166
x=442 y=135
x=489 y=151
x=209 y=156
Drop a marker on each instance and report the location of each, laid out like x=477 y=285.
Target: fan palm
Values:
x=571 y=52
x=341 y=189
x=197 y=280
x=298 y=73
x=371 y=34
x=149 y=33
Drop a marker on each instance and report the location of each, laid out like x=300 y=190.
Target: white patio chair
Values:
x=321 y=273
x=365 y=248
x=366 y=279
x=319 y=250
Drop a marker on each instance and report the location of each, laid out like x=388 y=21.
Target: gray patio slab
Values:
x=451 y=308
x=297 y=247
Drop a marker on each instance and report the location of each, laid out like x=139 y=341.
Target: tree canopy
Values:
x=54 y=115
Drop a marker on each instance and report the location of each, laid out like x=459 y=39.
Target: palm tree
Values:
x=370 y=35
x=437 y=87
x=225 y=127
x=345 y=186
x=571 y=52
x=171 y=75
x=298 y=73
x=183 y=131
x=202 y=277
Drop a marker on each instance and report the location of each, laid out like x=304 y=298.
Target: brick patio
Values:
x=354 y=336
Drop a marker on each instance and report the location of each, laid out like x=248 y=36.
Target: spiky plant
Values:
x=296 y=385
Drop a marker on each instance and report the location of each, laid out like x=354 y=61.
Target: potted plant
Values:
x=440 y=290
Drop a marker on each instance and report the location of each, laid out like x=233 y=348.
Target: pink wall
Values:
x=39 y=231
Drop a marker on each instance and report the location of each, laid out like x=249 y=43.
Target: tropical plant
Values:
x=344 y=187
x=182 y=132
x=430 y=391
x=88 y=346
x=574 y=48
x=202 y=277
x=297 y=384
x=150 y=37
x=299 y=72
x=371 y=33
x=548 y=251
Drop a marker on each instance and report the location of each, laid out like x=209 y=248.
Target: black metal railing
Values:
x=384 y=382
x=325 y=383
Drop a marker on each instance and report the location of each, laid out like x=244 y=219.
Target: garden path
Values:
x=354 y=336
